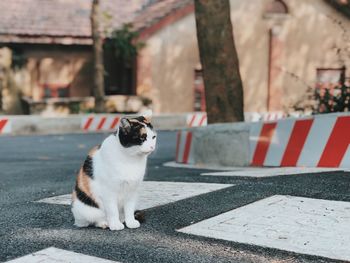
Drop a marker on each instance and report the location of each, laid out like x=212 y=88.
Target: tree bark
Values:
x=10 y=95
x=98 y=87
x=2 y=82
x=222 y=80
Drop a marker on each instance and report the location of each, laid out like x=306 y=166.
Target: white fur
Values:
x=117 y=175
x=147 y=114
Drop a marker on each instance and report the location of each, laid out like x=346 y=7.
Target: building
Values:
x=284 y=47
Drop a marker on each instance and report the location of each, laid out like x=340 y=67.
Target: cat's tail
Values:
x=140 y=216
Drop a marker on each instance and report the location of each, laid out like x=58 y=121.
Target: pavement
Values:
x=192 y=215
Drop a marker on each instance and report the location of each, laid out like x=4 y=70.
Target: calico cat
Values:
x=107 y=184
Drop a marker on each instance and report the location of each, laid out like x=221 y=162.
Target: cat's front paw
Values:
x=116 y=226
x=132 y=224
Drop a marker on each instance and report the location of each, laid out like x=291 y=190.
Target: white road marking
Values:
x=269 y=172
x=302 y=225
x=156 y=193
x=54 y=255
x=202 y=166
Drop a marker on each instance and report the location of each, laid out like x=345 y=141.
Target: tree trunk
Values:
x=10 y=95
x=2 y=84
x=98 y=88
x=11 y=102
x=222 y=80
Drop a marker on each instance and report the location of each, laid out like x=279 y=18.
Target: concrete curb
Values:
x=216 y=144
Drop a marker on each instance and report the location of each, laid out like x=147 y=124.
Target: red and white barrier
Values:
x=272 y=116
x=197 y=119
x=5 y=126
x=320 y=141
x=317 y=141
x=183 y=147
x=200 y=118
x=99 y=123
x=265 y=116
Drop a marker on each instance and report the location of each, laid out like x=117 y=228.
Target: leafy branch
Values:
x=122 y=43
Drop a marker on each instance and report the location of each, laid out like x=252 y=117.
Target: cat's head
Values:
x=137 y=134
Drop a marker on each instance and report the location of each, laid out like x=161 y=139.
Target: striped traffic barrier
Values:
x=272 y=116
x=99 y=123
x=183 y=147
x=197 y=119
x=317 y=141
x=5 y=126
x=320 y=141
x=264 y=116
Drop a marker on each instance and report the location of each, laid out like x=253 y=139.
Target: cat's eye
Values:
x=154 y=137
x=144 y=137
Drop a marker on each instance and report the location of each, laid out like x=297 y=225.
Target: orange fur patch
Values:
x=143 y=131
x=83 y=182
x=147 y=120
x=94 y=150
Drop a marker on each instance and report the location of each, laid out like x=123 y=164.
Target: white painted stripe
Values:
x=269 y=172
x=254 y=133
x=95 y=123
x=181 y=149
x=316 y=141
x=196 y=120
x=279 y=142
x=156 y=193
x=346 y=158
x=301 y=225
x=108 y=123
x=52 y=255
x=198 y=166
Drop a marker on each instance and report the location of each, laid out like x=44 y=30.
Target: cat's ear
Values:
x=125 y=124
x=147 y=115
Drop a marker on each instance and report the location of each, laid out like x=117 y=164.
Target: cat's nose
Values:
x=152 y=147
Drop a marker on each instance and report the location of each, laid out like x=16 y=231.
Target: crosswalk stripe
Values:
x=302 y=225
x=156 y=193
x=53 y=255
x=269 y=172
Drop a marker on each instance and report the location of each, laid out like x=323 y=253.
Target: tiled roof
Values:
x=68 y=21
x=153 y=13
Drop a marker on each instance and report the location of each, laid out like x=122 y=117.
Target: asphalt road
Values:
x=36 y=167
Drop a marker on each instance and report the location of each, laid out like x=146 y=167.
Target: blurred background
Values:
x=294 y=56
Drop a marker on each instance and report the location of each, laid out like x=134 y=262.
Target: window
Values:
x=276 y=7
x=51 y=90
x=120 y=77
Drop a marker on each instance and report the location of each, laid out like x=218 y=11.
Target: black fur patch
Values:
x=140 y=216
x=134 y=136
x=84 y=198
x=143 y=120
x=88 y=167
